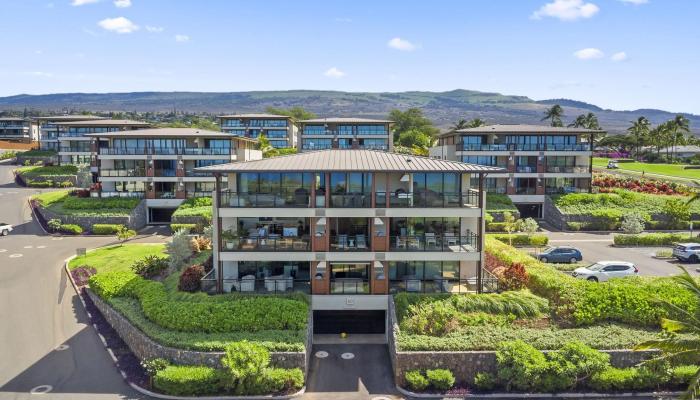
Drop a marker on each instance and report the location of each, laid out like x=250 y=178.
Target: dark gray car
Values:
x=561 y=254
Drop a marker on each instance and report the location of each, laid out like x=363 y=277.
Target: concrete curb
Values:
x=592 y=395
x=146 y=391
x=31 y=207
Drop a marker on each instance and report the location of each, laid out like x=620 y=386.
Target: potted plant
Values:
x=230 y=238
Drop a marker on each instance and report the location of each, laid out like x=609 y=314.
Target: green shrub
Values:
x=280 y=379
x=416 y=381
x=189 y=228
x=522 y=239
x=682 y=375
x=52 y=170
x=150 y=266
x=105 y=229
x=195 y=207
x=575 y=226
x=440 y=379
x=65 y=184
x=572 y=364
x=499 y=202
x=54 y=224
x=94 y=203
x=520 y=366
x=112 y=284
x=72 y=229
x=651 y=239
x=485 y=381
x=677 y=211
x=39 y=184
x=627 y=379
x=496 y=227
x=178 y=380
x=246 y=363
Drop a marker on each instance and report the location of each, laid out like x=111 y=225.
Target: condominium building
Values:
x=345 y=133
x=280 y=130
x=18 y=129
x=74 y=144
x=537 y=160
x=50 y=130
x=348 y=227
x=159 y=164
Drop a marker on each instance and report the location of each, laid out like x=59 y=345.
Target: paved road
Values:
x=598 y=247
x=39 y=311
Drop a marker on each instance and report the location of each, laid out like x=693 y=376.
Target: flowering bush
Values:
x=82 y=274
x=607 y=182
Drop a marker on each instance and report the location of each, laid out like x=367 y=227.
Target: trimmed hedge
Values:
x=578 y=302
x=196 y=206
x=206 y=314
x=522 y=239
x=182 y=380
x=190 y=228
x=499 y=202
x=652 y=239
x=93 y=203
x=106 y=229
x=71 y=229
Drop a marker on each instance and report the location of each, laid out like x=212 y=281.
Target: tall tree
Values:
x=679 y=126
x=475 y=123
x=461 y=124
x=640 y=132
x=411 y=119
x=554 y=115
x=297 y=113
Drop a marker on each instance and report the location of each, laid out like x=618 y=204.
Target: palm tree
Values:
x=476 y=122
x=461 y=124
x=579 y=122
x=554 y=115
x=640 y=132
x=678 y=126
x=674 y=347
x=266 y=148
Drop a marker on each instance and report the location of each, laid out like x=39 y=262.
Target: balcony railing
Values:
x=251 y=285
x=349 y=286
x=316 y=147
x=428 y=199
x=583 y=169
x=123 y=172
x=204 y=151
x=499 y=190
x=123 y=151
x=526 y=168
x=525 y=190
x=523 y=147
x=165 y=172
x=198 y=193
x=270 y=243
x=75 y=149
x=195 y=151
x=433 y=242
x=351 y=200
x=564 y=190
x=138 y=195
x=350 y=243
x=165 y=195
x=193 y=173
x=265 y=200
x=440 y=284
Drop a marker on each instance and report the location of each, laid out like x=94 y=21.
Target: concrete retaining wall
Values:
x=145 y=348
x=136 y=220
x=466 y=364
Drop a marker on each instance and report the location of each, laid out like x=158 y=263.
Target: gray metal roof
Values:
x=171 y=132
x=520 y=128
x=13 y=119
x=260 y=115
x=339 y=120
x=57 y=118
x=350 y=160
x=105 y=122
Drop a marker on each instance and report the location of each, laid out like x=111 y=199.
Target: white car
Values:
x=687 y=252
x=5 y=229
x=605 y=270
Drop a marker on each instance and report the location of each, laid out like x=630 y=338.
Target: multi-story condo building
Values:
x=345 y=133
x=538 y=160
x=49 y=130
x=18 y=129
x=74 y=144
x=159 y=164
x=280 y=130
x=349 y=227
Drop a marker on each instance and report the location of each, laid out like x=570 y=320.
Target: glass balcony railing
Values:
x=564 y=190
x=75 y=149
x=250 y=284
x=349 y=286
x=435 y=242
x=265 y=200
x=139 y=195
x=350 y=243
x=191 y=151
x=165 y=195
x=270 y=243
x=438 y=284
x=122 y=172
x=198 y=193
x=123 y=151
x=428 y=199
x=525 y=190
x=165 y=172
x=204 y=151
x=526 y=168
x=584 y=169
x=523 y=147
x=351 y=200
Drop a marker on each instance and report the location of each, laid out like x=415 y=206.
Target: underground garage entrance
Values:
x=349 y=321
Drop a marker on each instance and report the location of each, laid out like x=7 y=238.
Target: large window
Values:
x=344 y=129
x=423 y=270
x=314 y=130
x=217 y=143
x=316 y=144
x=274 y=183
x=275 y=134
x=378 y=144
x=351 y=189
x=371 y=130
x=436 y=182
x=481 y=160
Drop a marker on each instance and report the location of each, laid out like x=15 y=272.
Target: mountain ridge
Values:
x=444 y=108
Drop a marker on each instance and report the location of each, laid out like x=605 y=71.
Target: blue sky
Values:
x=621 y=54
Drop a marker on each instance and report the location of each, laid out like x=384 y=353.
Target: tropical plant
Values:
x=509 y=225
x=266 y=148
x=123 y=234
x=178 y=249
x=411 y=119
x=554 y=115
x=640 y=132
x=586 y=121
x=633 y=223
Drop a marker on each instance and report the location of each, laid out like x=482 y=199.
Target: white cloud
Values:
x=590 y=53
x=620 y=56
x=334 y=72
x=401 y=44
x=122 y=3
x=119 y=25
x=182 y=38
x=82 y=2
x=635 y=2
x=154 y=29
x=566 y=10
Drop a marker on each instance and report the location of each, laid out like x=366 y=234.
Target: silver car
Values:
x=605 y=270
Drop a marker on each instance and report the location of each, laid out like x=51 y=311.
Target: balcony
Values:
x=249 y=284
x=192 y=174
x=300 y=199
x=164 y=195
x=75 y=149
x=114 y=173
x=440 y=284
x=583 y=169
x=198 y=193
x=428 y=199
x=499 y=189
x=123 y=151
x=349 y=286
x=205 y=151
x=565 y=190
x=270 y=243
x=525 y=190
x=316 y=147
x=523 y=147
x=168 y=172
x=351 y=200
x=344 y=242
x=526 y=168
x=138 y=195
x=435 y=242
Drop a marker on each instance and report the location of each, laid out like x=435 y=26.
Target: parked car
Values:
x=560 y=254
x=612 y=164
x=5 y=229
x=605 y=270
x=687 y=252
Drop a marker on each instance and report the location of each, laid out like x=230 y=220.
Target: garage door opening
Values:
x=160 y=215
x=350 y=321
x=529 y=210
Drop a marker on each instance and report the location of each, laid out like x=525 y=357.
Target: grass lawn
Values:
x=117 y=257
x=671 y=170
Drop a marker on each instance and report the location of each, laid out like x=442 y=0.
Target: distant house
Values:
x=682 y=151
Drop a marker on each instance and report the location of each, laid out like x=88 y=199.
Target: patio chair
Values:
x=430 y=240
x=247 y=283
x=342 y=241
x=361 y=242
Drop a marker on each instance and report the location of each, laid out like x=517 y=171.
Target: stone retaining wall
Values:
x=466 y=364
x=145 y=348
x=136 y=220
